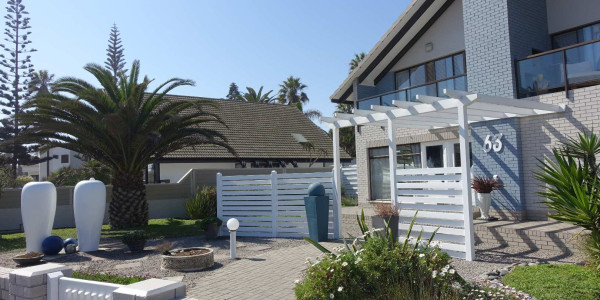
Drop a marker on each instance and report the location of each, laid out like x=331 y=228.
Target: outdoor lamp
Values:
x=232 y=224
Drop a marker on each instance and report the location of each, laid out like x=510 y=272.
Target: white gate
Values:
x=272 y=205
x=436 y=193
x=350 y=180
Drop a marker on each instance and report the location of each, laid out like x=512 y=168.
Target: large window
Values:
x=408 y=157
x=429 y=78
x=575 y=36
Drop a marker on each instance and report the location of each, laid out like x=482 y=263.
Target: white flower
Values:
x=331 y=296
x=297 y=281
x=341 y=288
x=421 y=255
x=358 y=260
x=344 y=264
x=434 y=274
x=451 y=271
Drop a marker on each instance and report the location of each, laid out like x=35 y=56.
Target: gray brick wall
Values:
x=496 y=33
x=541 y=133
x=507 y=164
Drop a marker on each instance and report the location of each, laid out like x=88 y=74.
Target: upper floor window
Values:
x=429 y=78
x=64 y=159
x=576 y=36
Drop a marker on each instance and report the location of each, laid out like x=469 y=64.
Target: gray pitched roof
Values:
x=258 y=131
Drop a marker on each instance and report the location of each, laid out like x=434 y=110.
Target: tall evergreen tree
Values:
x=115 y=60
x=15 y=73
x=234 y=92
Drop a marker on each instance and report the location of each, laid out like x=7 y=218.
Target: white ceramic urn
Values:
x=89 y=203
x=485 y=200
x=38 y=208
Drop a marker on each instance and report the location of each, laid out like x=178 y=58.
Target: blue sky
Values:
x=252 y=43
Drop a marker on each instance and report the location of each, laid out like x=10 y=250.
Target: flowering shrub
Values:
x=382 y=268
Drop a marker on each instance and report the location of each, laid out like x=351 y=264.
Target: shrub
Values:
x=380 y=268
x=573 y=188
x=110 y=278
x=385 y=210
x=23 y=180
x=485 y=185
x=134 y=236
x=203 y=204
x=349 y=200
x=204 y=222
x=69 y=176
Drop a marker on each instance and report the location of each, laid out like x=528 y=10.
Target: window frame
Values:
x=62 y=158
x=369 y=157
x=574 y=29
x=424 y=64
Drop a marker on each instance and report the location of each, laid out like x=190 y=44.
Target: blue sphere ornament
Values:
x=70 y=241
x=316 y=189
x=52 y=245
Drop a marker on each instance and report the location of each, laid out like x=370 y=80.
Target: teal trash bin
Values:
x=317 y=212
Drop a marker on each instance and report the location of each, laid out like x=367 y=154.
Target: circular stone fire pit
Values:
x=188 y=259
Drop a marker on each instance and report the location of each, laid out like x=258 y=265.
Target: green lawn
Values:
x=548 y=282
x=157 y=228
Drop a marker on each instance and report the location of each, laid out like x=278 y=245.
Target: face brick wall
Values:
x=507 y=203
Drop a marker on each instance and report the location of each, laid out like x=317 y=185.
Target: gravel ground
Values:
x=115 y=259
x=497 y=257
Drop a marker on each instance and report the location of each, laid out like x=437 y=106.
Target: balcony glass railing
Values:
x=410 y=94
x=559 y=70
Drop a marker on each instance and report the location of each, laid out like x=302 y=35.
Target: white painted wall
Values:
x=33 y=170
x=55 y=164
x=175 y=171
x=565 y=14
x=446 y=34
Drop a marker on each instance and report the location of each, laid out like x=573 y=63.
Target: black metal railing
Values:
x=559 y=70
x=410 y=94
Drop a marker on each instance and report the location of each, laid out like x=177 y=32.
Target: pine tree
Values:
x=234 y=92
x=115 y=60
x=15 y=73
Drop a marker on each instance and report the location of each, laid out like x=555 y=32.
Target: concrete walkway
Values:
x=267 y=276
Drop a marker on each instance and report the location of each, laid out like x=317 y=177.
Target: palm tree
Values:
x=291 y=92
x=121 y=126
x=259 y=97
x=41 y=82
x=356 y=61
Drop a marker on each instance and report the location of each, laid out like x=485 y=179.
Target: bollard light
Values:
x=232 y=224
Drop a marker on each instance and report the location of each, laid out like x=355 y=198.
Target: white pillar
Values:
x=465 y=180
x=337 y=184
x=393 y=162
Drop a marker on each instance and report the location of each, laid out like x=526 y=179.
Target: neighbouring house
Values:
x=263 y=136
x=58 y=158
x=541 y=51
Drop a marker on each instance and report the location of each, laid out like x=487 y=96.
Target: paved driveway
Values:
x=269 y=275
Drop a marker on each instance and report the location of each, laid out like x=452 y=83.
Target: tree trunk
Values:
x=128 y=207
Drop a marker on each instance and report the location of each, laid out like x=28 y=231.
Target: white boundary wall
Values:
x=438 y=197
x=272 y=205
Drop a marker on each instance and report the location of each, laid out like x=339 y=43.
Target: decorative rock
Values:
x=503 y=272
x=492 y=277
x=52 y=245
x=532 y=264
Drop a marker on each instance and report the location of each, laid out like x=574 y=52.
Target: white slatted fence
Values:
x=66 y=288
x=350 y=180
x=271 y=205
x=436 y=193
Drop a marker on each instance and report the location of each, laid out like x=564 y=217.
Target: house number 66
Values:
x=492 y=142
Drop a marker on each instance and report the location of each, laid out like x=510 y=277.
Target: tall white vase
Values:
x=485 y=200
x=89 y=204
x=38 y=207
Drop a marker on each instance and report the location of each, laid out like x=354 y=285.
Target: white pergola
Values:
x=460 y=109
